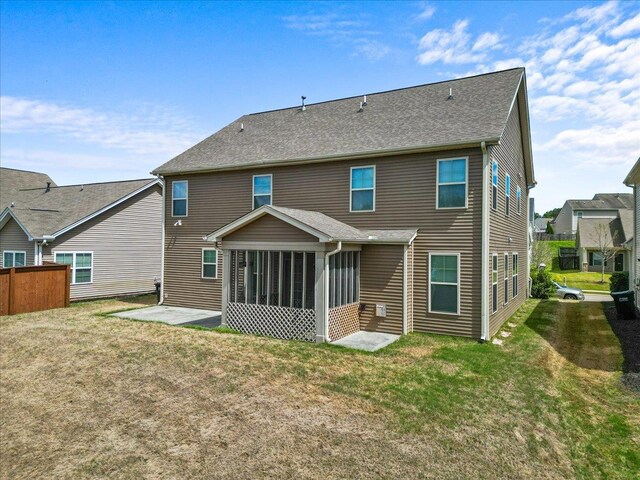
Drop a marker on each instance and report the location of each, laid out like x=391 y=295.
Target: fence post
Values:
x=67 y=288
x=12 y=291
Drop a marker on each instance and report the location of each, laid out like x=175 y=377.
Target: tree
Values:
x=549 y=228
x=542 y=285
x=604 y=241
x=552 y=213
x=537 y=215
x=541 y=252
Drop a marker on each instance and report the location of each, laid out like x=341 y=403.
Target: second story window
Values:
x=363 y=189
x=507 y=193
x=179 y=198
x=494 y=185
x=262 y=190
x=452 y=183
x=519 y=198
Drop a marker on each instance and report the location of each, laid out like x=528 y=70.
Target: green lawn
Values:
x=88 y=396
x=582 y=280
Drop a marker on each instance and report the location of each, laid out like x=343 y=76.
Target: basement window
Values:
x=11 y=258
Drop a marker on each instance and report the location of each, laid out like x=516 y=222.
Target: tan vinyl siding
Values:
x=126 y=246
x=381 y=270
x=509 y=233
x=405 y=199
x=269 y=229
x=12 y=237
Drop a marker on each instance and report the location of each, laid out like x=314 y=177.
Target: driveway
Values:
x=597 y=297
x=174 y=316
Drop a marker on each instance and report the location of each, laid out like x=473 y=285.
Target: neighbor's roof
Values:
x=326 y=228
x=13 y=180
x=44 y=213
x=604 y=201
x=620 y=229
x=541 y=223
x=404 y=120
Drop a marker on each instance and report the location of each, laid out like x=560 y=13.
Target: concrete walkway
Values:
x=174 y=316
x=367 y=341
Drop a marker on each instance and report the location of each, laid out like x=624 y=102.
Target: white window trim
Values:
x=253 y=189
x=494 y=256
x=186 y=199
x=505 y=282
x=451 y=254
x=351 y=189
x=466 y=183
x=507 y=193
x=202 y=264
x=515 y=275
x=73 y=266
x=496 y=184
x=518 y=200
x=13 y=252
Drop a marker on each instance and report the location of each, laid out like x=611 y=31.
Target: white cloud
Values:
x=144 y=129
x=451 y=47
x=427 y=12
x=487 y=40
x=625 y=28
x=372 y=49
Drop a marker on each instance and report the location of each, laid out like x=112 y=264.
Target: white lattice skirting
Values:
x=343 y=321
x=279 y=322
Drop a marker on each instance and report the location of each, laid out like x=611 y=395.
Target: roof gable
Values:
x=410 y=119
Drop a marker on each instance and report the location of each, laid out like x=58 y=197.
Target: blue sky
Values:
x=106 y=91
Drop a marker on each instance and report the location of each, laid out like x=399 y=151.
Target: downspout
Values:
x=484 y=325
x=326 y=289
x=164 y=207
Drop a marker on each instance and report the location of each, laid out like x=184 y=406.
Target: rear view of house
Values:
x=391 y=212
x=110 y=233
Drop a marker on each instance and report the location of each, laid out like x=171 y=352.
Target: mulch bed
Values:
x=628 y=333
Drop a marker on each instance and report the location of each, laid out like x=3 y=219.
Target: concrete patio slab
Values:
x=174 y=316
x=367 y=341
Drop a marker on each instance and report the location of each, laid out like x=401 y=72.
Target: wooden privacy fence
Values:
x=31 y=289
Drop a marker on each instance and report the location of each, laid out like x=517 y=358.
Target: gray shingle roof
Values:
x=415 y=117
x=45 y=213
x=620 y=229
x=604 y=201
x=328 y=226
x=13 y=180
x=540 y=224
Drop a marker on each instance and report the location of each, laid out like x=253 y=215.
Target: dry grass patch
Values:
x=89 y=396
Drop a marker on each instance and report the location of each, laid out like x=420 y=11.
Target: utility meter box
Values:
x=381 y=310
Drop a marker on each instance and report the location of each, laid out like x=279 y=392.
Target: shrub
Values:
x=542 y=285
x=619 y=281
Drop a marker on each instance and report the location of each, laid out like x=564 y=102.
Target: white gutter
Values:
x=164 y=195
x=484 y=325
x=326 y=289
x=405 y=312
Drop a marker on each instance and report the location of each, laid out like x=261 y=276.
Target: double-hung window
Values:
x=494 y=282
x=81 y=265
x=494 y=185
x=506 y=278
x=179 y=198
x=444 y=283
x=519 y=199
x=11 y=258
x=507 y=193
x=363 y=189
x=595 y=259
x=262 y=188
x=514 y=274
x=452 y=183
x=209 y=263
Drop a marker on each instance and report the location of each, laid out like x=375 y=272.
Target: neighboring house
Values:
x=397 y=212
x=594 y=233
x=540 y=225
x=110 y=233
x=633 y=181
x=603 y=205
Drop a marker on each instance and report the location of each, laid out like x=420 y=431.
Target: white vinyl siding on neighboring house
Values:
x=444 y=283
x=262 y=190
x=362 y=195
x=451 y=184
x=12 y=258
x=81 y=265
x=180 y=198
